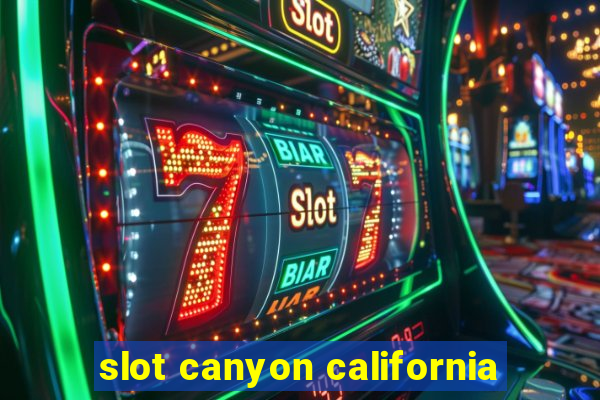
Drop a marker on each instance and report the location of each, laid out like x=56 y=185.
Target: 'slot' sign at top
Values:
x=322 y=24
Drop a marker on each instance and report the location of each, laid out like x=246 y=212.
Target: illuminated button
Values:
x=106 y=267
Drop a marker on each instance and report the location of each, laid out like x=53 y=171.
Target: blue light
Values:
x=16 y=241
x=513 y=332
x=532 y=197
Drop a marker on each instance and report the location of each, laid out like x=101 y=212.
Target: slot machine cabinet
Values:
x=460 y=139
x=533 y=147
x=203 y=170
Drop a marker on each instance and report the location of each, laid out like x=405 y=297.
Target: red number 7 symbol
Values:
x=190 y=155
x=363 y=169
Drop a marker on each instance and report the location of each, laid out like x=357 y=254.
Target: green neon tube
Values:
x=281 y=57
x=64 y=338
x=535 y=343
x=9 y=323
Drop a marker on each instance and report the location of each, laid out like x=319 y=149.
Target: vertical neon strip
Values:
x=530 y=337
x=52 y=268
x=8 y=322
x=399 y=122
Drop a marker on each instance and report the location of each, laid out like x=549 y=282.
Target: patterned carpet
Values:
x=557 y=283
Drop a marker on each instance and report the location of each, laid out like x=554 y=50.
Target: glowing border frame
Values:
x=529 y=336
x=61 y=319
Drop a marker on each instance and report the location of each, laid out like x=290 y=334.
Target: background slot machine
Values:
x=525 y=155
x=215 y=170
x=533 y=150
x=463 y=158
x=550 y=133
x=565 y=181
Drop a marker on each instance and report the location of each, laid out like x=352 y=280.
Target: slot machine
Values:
x=559 y=150
x=460 y=141
x=549 y=133
x=533 y=150
x=524 y=130
x=249 y=170
x=589 y=167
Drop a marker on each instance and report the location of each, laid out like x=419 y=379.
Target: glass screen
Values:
x=522 y=160
x=231 y=199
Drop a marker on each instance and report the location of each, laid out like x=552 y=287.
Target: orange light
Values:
x=98 y=80
x=100 y=126
x=106 y=267
x=215 y=88
x=311 y=115
x=104 y=214
x=237 y=330
x=517 y=26
x=501 y=70
x=166 y=73
x=216 y=338
x=504 y=30
x=102 y=173
x=192 y=81
x=473 y=46
x=135 y=65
